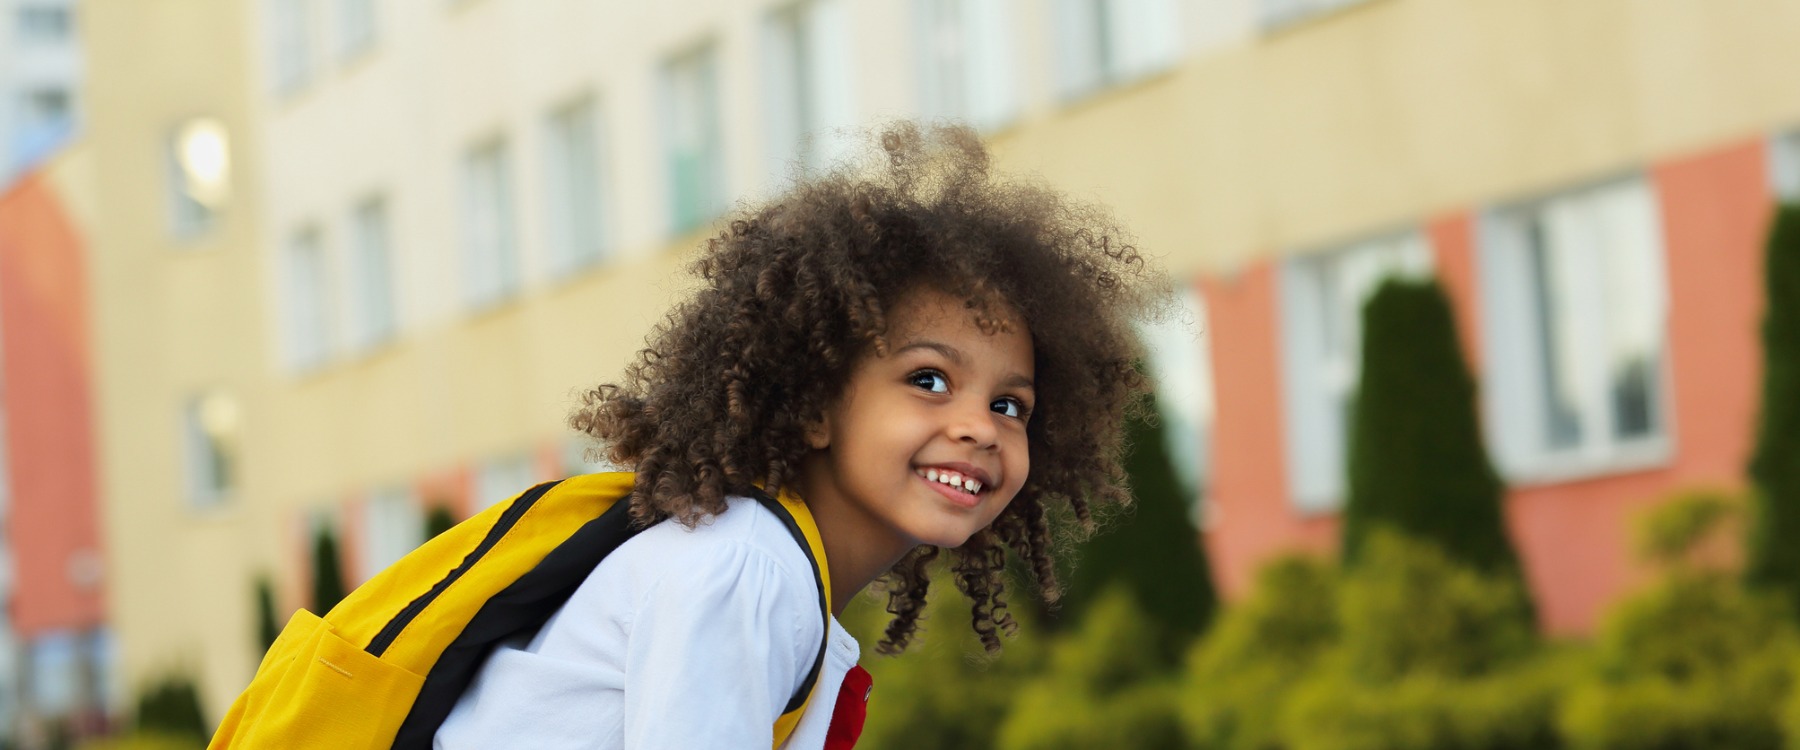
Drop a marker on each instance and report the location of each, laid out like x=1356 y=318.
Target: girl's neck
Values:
x=852 y=550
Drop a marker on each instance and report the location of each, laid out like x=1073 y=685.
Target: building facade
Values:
x=40 y=81
x=367 y=271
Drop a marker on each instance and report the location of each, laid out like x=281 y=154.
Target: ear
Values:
x=818 y=433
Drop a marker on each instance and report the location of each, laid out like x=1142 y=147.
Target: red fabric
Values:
x=852 y=708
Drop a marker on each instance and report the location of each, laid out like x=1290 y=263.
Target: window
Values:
x=1575 y=307
x=1784 y=166
x=308 y=300
x=807 y=80
x=695 y=158
x=576 y=202
x=1103 y=43
x=43 y=24
x=372 y=276
x=966 y=61
x=1278 y=13
x=393 y=526
x=210 y=427
x=356 y=27
x=291 y=44
x=199 y=167
x=1180 y=355
x=1322 y=298
x=47 y=108
x=500 y=479
x=580 y=456
x=490 y=254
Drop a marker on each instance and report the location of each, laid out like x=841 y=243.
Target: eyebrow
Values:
x=1015 y=380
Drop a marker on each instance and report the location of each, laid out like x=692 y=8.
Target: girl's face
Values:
x=927 y=444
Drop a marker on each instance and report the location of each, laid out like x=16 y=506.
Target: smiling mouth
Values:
x=960 y=490
x=951 y=479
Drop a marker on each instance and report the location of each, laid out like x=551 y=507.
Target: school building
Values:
x=351 y=259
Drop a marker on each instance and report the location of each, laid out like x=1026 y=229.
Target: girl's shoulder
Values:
x=745 y=551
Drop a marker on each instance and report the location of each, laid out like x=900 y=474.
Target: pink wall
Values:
x=1573 y=537
x=44 y=375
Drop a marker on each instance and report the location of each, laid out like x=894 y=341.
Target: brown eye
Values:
x=929 y=380
x=1009 y=406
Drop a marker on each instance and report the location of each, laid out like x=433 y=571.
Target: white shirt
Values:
x=681 y=638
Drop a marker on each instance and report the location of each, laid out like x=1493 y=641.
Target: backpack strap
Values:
x=792 y=512
x=529 y=601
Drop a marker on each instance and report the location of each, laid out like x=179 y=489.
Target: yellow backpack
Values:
x=383 y=668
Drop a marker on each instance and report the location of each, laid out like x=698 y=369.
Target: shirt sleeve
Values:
x=717 y=649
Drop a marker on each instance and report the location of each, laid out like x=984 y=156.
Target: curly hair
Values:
x=796 y=289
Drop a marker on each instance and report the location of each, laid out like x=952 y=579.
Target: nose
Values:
x=972 y=422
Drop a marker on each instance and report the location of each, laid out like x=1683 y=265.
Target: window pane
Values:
x=966 y=61
x=199 y=168
x=490 y=262
x=211 y=424
x=1784 y=166
x=290 y=45
x=575 y=204
x=1180 y=355
x=394 y=526
x=308 y=301
x=372 y=264
x=1322 y=304
x=691 y=127
x=356 y=26
x=1591 y=343
x=41 y=24
x=500 y=479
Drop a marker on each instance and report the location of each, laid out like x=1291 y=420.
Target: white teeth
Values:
x=950 y=478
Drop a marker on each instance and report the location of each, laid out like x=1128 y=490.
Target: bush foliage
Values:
x=1774 y=559
x=1416 y=459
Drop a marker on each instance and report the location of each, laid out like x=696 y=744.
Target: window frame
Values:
x=978 y=81
x=1321 y=353
x=489 y=246
x=687 y=213
x=1516 y=365
x=566 y=199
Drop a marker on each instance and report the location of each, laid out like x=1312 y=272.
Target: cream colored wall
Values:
x=1377 y=116
x=170 y=318
x=1387 y=113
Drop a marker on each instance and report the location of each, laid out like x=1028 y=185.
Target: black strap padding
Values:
x=793 y=527
x=521 y=607
x=528 y=602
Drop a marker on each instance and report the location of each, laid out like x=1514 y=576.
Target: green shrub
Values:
x=1240 y=674
x=170 y=707
x=1108 y=686
x=141 y=741
x=1432 y=655
x=1694 y=662
x=267 y=626
x=1153 y=550
x=1410 y=609
x=1774 y=557
x=328 y=571
x=1416 y=460
x=438 y=520
x=944 y=691
x=1509 y=710
x=1670 y=533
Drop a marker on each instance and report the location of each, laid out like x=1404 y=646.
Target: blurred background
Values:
x=1471 y=289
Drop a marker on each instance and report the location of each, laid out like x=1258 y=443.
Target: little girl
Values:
x=925 y=357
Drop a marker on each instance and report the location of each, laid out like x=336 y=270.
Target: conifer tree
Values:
x=267 y=626
x=1154 y=551
x=1416 y=460
x=438 y=520
x=328 y=571
x=1774 y=553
